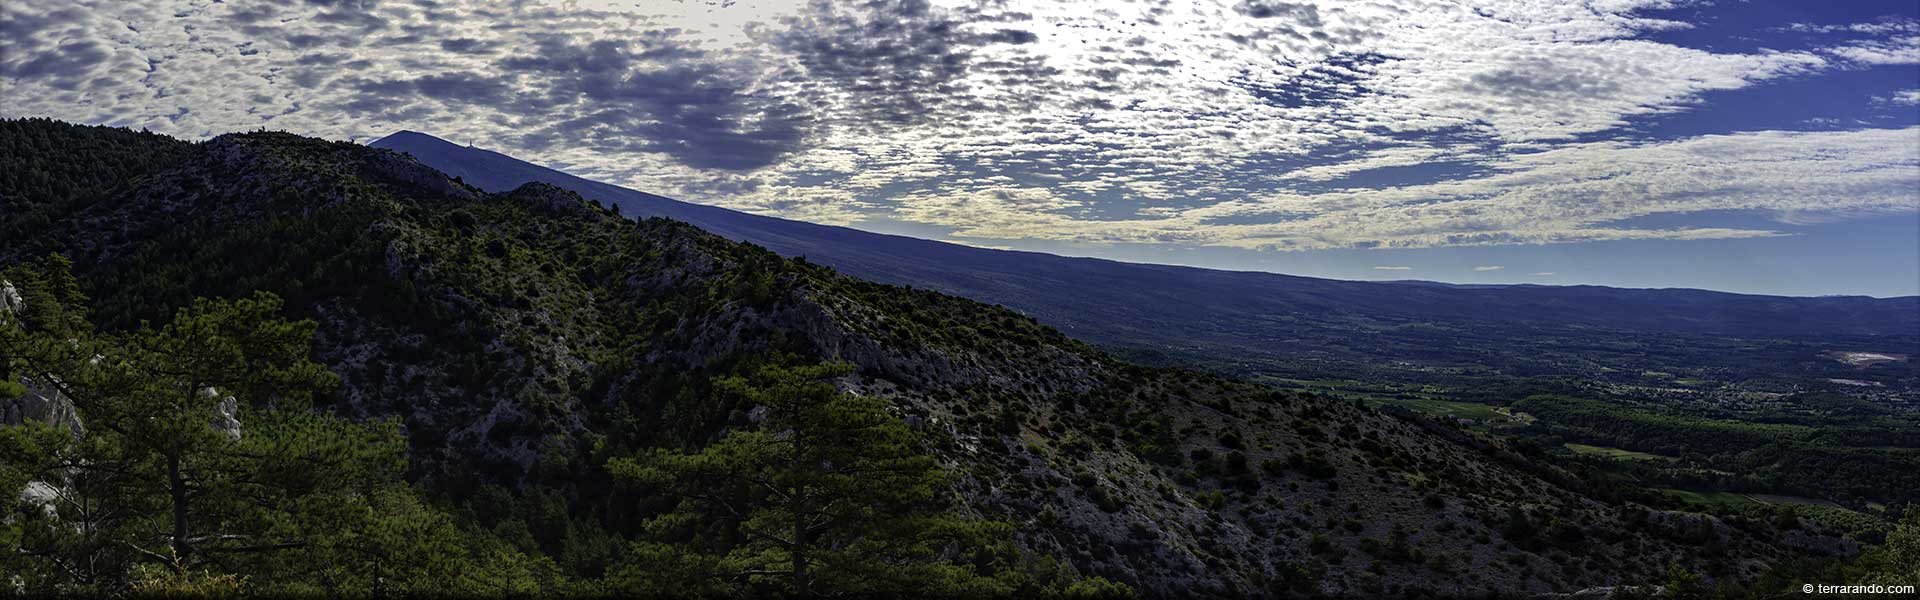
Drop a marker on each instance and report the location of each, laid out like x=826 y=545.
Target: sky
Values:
x=1764 y=147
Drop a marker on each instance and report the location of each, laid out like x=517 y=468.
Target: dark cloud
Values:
x=462 y=87
x=468 y=46
x=358 y=14
x=308 y=78
x=559 y=55
x=253 y=14
x=1338 y=79
x=623 y=95
x=304 y=41
x=403 y=40
x=384 y=96
x=1306 y=15
x=898 y=62
x=1005 y=17
x=689 y=110
x=887 y=62
x=34 y=50
x=1012 y=36
x=322 y=58
x=1541 y=78
x=62 y=64
x=448 y=87
x=21 y=26
x=703 y=131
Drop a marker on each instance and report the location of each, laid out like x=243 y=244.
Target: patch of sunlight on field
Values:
x=1617 y=453
x=1727 y=498
x=1446 y=408
x=1777 y=499
x=1738 y=499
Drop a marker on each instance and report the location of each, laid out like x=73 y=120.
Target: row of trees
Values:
x=201 y=465
x=1851 y=462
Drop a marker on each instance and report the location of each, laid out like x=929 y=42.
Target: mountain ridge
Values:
x=407 y=140
x=526 y=336
x=1258 y=324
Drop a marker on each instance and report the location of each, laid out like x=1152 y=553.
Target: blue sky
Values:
x=1769 y=147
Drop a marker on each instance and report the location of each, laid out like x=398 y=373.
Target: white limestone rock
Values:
x=42 y=495
x=226 y=414
x=10 y=300
x=42 y=405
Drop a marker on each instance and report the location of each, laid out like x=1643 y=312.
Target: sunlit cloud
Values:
x=1903 y=97
x=1263 y=126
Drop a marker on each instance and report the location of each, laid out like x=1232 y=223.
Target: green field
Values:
x=1379 y=395
x=1616 y=453
x=1776 y=499
x=1727 y=498
x=1445 y=408
x=1391 y=395
x=1736 y=498
x=1831 y=514
x=1313 y=383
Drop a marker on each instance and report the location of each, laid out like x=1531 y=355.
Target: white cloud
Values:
x=1877 y=27
x=1903 y=50
x=1392 y=268
x=1489 y=268
x=1543 y=274
x=1885 y=41
x=1396 y=156
x=1105 y=122
x=1903 y=97
x=1572 y=193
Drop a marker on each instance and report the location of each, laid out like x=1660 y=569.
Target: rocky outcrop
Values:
x=403 y=168
x=226 y=414
x=43 y=406
x=9 y=297
x=39 y=402
x=1603 y=593
x=551 y=199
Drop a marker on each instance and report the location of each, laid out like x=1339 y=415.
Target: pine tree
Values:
x=1897 y=562
x=829 y=493
x=202 y=466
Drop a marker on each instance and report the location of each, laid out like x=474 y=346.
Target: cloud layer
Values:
x=1253 y=123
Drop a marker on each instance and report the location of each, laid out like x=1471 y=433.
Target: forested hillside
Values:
x=1258 y=324
x=548 y=384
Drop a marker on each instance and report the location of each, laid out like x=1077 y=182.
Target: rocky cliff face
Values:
x=39 y=399
x=40 y=402
x=525 y=336
x=42 y=405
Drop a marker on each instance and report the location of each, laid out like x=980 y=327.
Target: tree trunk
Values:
x=178 y=484
x=800 y=582
x=796 y=507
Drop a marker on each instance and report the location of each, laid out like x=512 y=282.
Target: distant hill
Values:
x=1266 y=323
x=524 y=337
